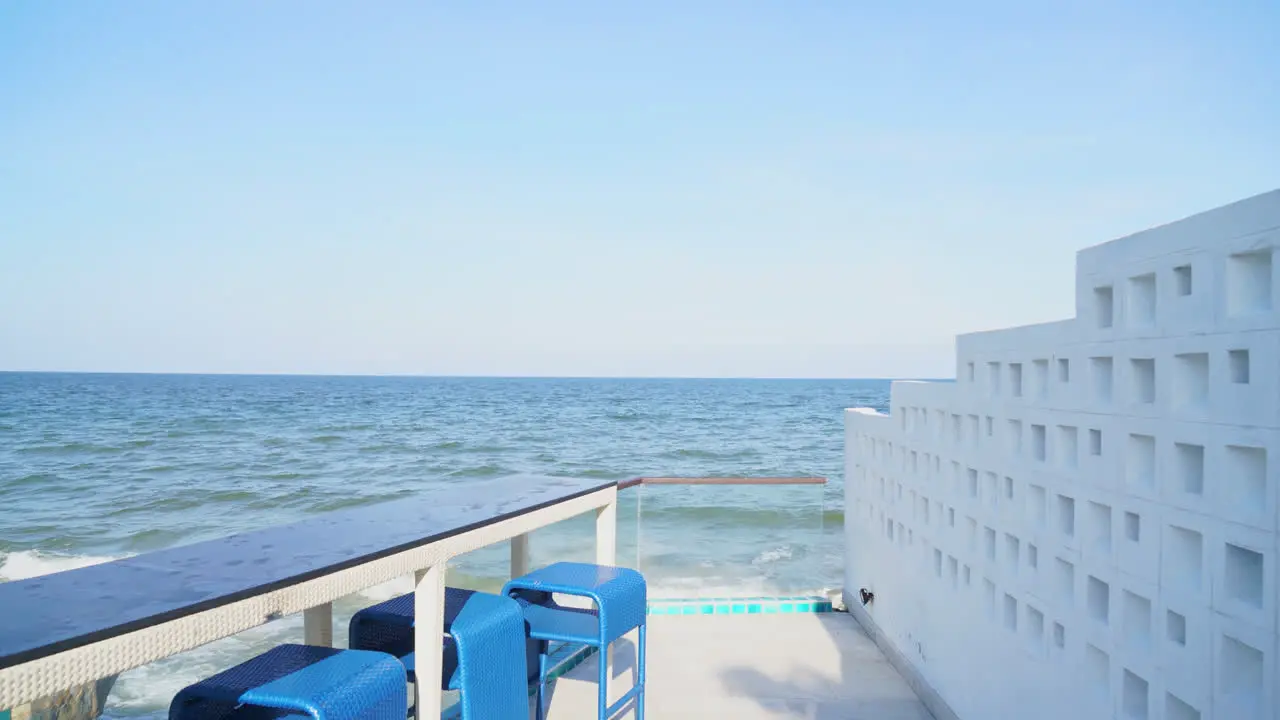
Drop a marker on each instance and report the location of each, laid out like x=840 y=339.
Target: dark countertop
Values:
x=44 y=615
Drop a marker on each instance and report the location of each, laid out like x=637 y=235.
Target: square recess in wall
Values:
x=1099 y=541
x=1239 y=362
x=1136 y=617
x=1015 y=437
x=1039 y=444
x=1176 y=628
x=1142 y=301
x=1249 y=282
x=1243 y=575
x=1098 y=599
x=1176 y=709
x=1036 y=506
x=1188 y=462
x=1041 y=370
x=1182 y=280
x=1015 y=379
x=1097 y=665
x=1064 y=370
x=1182 y=561
x=1134 y=696
x=1104 y=306
x=1140 y=462
x=1012 y=555
x=1034 y=627
x=1069 y=446
x=1244 y=486
x=1241 y=679
x=1064 y=581
x=1191 y=380
x=1132 y=527
x=1144 y=380
x=1101 y=368
x=1066 y=515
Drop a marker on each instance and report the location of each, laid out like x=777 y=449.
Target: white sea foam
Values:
x=25 y=564
x=772 y=556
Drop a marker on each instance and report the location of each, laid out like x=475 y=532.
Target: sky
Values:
x=702 y=189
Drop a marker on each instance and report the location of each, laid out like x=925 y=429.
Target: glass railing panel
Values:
x=723 y=540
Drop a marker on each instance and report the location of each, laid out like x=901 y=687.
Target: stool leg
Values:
x=540 y=712
x=604 y=682
x=640 y=662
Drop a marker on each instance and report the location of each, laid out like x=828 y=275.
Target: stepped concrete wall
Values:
x=1083 y=524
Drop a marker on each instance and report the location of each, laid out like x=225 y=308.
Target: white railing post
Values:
x=607 y=533
x=520 y=555
x=317 y=625
x=606 y=554
x=428 y=640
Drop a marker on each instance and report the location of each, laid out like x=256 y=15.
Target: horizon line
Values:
x=451 y=376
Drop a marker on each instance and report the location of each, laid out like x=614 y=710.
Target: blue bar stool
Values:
x=486 y=656
x=299 y=680
x=620 y=598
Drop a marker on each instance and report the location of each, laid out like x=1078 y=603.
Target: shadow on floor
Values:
x=831 y=670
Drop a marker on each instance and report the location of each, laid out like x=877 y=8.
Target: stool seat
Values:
x=619 y=594
x=322 y=683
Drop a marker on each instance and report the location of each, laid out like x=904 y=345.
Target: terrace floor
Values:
x=815 y=666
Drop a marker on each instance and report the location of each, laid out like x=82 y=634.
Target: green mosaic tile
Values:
x=753 y=608
x=707 y=609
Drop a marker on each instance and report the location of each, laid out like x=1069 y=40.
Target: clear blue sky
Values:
x=635 y=188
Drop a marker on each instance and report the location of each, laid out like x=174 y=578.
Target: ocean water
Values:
x=95 y=467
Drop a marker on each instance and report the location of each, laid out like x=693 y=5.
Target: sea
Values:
x=95 y=467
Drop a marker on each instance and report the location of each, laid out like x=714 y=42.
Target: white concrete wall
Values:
x=1084 y=524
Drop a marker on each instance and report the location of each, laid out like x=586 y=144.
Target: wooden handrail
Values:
x=624 y=484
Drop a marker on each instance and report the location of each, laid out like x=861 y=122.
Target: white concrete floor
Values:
x=810 y=666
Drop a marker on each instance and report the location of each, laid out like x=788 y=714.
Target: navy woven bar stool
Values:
x=300 y=680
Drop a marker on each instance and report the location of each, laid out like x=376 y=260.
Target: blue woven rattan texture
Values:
x=492 y=670
x=289 y=680
x=620 y=594
x=388 y=627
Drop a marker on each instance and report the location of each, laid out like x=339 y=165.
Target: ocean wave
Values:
x=161 y=505
x=350 y=502
x=481 y=471
x=386 y=448
x=32 y=479
x=699 y=454
x=23 y=564
x=286 y=475
x=773 y=556
x=327 y=439
x=71 y=448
